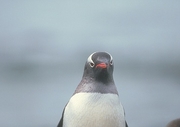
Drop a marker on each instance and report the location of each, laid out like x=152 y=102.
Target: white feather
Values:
x=89 y=60
x=94 y=110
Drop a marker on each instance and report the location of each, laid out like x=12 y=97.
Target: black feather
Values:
x=126 y=124
x=60 y=124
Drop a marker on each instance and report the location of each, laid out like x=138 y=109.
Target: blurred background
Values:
x=44 y=45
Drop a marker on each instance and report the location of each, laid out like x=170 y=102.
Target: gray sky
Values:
x=47 y=30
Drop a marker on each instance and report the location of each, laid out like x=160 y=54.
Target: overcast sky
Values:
x=46 y=30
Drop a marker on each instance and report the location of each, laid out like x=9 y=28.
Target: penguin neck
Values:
x=90 y=84
x=102 y=76
x=101 y=79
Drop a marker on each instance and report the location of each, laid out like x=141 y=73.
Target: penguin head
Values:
x=99 y=66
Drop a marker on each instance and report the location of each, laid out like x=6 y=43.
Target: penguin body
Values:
x=98 y=111
x=95 y=102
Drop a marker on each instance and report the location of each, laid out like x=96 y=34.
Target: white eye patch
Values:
x=111 y=58
x=89 y=60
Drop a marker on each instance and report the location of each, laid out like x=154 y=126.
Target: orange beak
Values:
x=101 y=65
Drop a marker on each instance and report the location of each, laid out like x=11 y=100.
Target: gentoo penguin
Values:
x=95 y=102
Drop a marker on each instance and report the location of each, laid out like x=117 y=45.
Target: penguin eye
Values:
x=91 y=64
x=111 y=62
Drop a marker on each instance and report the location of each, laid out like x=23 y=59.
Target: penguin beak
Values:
x=101 y=65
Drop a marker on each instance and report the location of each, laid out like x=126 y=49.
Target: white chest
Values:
x=94 y=110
